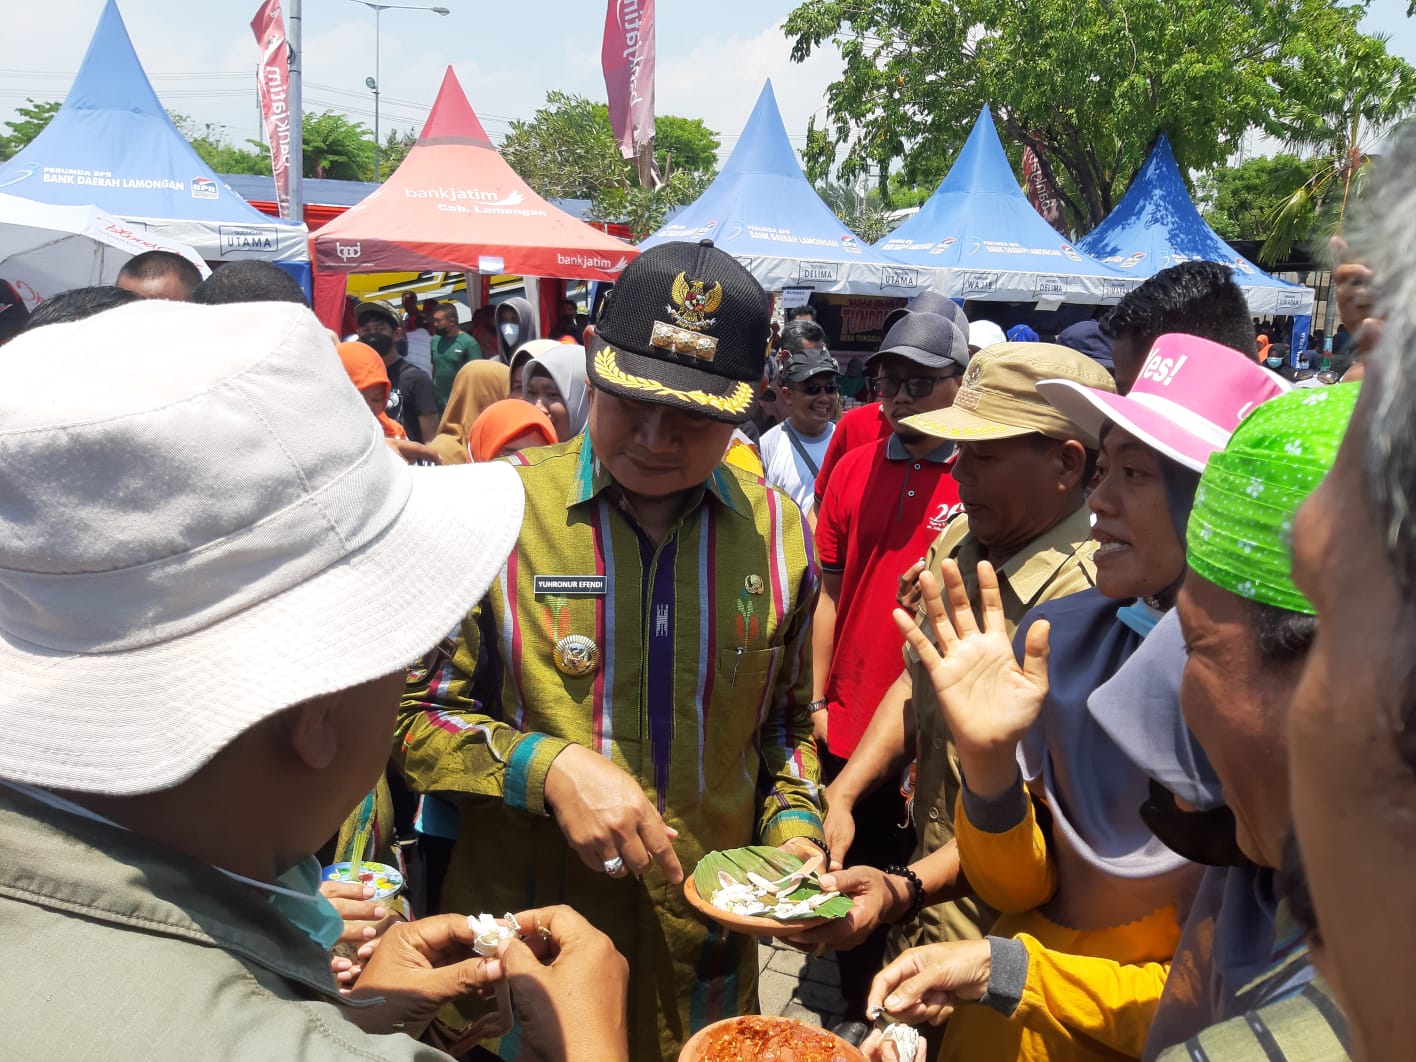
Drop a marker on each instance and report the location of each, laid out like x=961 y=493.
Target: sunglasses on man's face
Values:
x=814 y=389
x=915 y=386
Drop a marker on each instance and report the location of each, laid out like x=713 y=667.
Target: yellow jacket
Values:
x=1087 y=995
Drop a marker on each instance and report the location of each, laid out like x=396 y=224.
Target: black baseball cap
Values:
x=366 y=309
x=686 y=326
x=806 y=363
x=930 y=302
x=926 y=339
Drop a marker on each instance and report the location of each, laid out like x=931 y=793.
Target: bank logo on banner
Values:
x=627 y=58
x=204 y=188
x=348 y=252
x=273 y=83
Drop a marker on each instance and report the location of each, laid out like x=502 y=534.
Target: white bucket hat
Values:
x=201 y=525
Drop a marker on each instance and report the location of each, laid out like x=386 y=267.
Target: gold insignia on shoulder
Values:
x=683 y=341
x=694 y=302
x=753 y=584
x=576 y=656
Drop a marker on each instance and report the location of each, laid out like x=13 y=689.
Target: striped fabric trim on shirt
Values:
x=511 y=635
x=518 y=770
x=601 y=703
x=661 y=658
x=706 y=618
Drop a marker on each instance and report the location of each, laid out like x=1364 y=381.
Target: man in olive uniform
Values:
x=633 y=690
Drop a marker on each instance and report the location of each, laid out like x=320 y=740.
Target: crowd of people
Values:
x=1082 y=665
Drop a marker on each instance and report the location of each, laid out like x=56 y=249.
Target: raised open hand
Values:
x=988 y=701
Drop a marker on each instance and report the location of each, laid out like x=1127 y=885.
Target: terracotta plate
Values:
x=694 y=1050
x=751 y=925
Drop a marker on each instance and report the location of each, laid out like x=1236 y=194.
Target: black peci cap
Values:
x=687 y=326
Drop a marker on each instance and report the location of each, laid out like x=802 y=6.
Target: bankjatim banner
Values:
x=269 y=28
x=627 y=56
x=1042 y=193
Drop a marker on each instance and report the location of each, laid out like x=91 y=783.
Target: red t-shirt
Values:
x=857 y=427
x=881 y=511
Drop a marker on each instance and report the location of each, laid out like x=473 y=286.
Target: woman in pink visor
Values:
x=1048 y=826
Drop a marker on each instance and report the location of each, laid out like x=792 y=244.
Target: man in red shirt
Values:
x=868 y=423
x=885 y=503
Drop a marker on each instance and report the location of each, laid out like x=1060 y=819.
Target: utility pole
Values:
x=297 y=117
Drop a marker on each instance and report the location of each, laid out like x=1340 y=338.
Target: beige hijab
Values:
x=475 y=387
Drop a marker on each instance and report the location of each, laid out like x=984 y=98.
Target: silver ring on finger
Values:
x=614 y=866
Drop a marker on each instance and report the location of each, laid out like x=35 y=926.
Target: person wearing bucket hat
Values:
x=1091 y=904
x=984 y=334
x=632 y=691
x=1246 y=630
x=867 y=423
x=201 y=675
x=1022 y=472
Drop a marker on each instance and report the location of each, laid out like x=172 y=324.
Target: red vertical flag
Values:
x=269 y=28
x=1042 y=193
x=627 y=56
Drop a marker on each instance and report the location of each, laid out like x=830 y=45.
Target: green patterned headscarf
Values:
x=1240 y=528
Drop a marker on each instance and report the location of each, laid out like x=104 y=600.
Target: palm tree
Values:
x=1338 y=105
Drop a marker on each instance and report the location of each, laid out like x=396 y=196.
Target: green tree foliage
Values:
x=29 y=123
x=337 y=148
x=1241 y=201
x=220 y=154
x=395 y=149
x=1086 y=83
x=567 y=150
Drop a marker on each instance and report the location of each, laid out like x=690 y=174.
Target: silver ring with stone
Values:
x=614 y=866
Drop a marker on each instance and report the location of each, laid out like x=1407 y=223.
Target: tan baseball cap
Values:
x=998 y=398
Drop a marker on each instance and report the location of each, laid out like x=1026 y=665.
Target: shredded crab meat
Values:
x=759 y=896
x=492 y=932
x=904 y=1037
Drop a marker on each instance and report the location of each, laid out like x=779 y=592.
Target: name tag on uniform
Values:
x=572 y=585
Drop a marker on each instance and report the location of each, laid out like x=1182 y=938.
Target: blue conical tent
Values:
x=762 y=210
x=985 y=240
x=112 y=145
x=1156 y=225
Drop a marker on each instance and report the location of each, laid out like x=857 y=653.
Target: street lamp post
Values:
x=373 y=83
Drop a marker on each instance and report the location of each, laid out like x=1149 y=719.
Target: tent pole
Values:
x=297 y=117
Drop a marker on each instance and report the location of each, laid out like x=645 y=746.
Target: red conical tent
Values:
x=454 y=204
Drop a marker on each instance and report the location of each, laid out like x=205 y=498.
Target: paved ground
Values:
x=796 y=985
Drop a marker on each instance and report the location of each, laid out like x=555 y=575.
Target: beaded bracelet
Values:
x=916 y=889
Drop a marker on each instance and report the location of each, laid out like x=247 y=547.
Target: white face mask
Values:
x=509 y=332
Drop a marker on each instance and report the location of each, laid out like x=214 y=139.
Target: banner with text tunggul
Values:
x=627 y=56
x=269 y=28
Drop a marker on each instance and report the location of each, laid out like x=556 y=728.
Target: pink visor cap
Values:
x=1190 y=396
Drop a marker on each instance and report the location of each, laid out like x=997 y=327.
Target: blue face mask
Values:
x=1274 y=363
x=1139 y=616
x=296 y=895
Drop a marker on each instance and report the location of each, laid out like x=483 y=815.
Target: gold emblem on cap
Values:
x=694 y=302
x=576 y=656
x=753 y=584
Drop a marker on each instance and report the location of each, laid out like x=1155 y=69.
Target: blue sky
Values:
x=712 y=57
